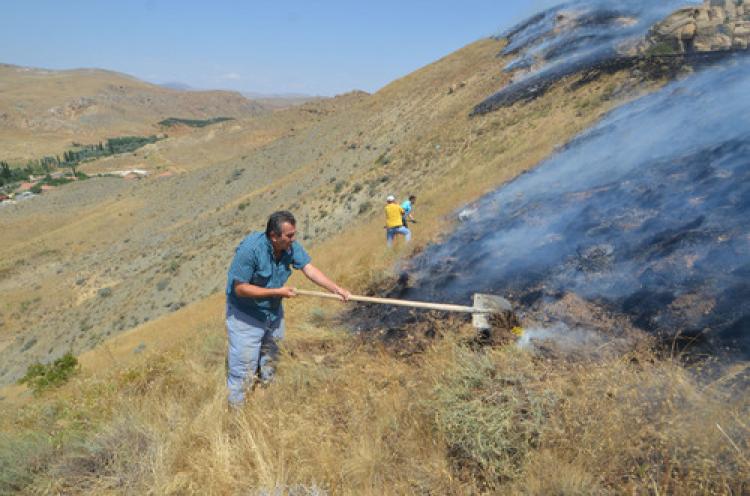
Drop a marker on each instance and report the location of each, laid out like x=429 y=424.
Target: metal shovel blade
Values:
x=485 y=305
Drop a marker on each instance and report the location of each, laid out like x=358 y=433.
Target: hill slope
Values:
x=123 y=252
x=106 y=266
x=44 y=110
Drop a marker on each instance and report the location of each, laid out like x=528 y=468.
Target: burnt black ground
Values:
x=647 y=215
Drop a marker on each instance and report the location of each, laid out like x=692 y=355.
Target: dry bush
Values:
x=633 y=423
x=642 y=424
x=117 y=459
x=22 y=456
x=491 y=414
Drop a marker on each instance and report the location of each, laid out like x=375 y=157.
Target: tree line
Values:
x=72 y=158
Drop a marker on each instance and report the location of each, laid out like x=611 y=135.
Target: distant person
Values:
x=255 y=287
x=408 y=207
x=394 y=223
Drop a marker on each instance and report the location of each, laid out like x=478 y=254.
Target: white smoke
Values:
x=648 y=213
x=571 y=37
x=563 y=338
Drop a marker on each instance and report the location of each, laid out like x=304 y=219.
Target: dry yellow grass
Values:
x=346 y=417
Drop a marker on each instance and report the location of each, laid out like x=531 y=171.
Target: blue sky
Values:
x=310 y=47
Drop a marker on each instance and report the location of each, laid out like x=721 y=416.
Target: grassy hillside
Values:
x=349 y=414
x=44 y=111
x=120 y=253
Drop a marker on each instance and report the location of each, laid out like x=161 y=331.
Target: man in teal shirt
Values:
x=255 y=287
x=408 y=205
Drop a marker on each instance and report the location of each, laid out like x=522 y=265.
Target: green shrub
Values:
x=40 y=377
x=383 y=159
x=127 y=144
x=661 y=48
x=365 y=207
x=174 y=266
x=176 y=121
x=28 y=344
x=236 y=174
x=56 y=181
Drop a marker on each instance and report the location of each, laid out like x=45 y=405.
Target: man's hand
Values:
x=286 y=292
x=316 y=276
x=342 y=293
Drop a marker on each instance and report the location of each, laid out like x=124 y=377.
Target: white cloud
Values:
x=230 y=76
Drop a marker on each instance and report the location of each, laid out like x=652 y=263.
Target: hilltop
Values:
x=45 y=110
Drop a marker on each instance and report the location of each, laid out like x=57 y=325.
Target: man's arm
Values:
x=247 y=290
x=315 y=275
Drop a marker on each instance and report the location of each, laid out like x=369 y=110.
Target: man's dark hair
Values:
x=412 y=198
x=277 y=219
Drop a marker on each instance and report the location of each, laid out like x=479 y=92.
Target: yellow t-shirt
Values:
x=393 y=213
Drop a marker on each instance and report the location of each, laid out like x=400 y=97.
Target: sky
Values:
x=305 y=47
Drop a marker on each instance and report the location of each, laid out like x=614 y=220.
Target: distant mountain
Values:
x=176 y=85
x=42 y=111
x=281 y=100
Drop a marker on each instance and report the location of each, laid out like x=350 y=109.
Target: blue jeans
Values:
x=252 y=349
x=392 y=231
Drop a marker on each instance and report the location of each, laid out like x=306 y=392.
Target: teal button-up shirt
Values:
x=254 y=263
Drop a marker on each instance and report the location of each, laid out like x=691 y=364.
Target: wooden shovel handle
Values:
x=391 y=301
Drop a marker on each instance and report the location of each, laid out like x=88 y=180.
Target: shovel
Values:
x=484 y=305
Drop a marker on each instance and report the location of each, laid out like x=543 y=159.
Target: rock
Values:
x=717 y=25
x=717 y=14
x=742 y=29
x=721 y=42
x=702 y=17
x=456 y=86
x=104 y=292
x=688 y=31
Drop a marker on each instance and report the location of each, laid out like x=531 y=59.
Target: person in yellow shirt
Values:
x=393 y=221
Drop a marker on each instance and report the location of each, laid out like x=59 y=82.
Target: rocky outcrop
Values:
x=717 y=25
x=564 y=42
